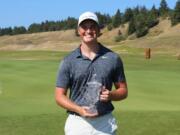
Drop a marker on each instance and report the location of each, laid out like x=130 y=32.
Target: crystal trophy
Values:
x=92 y=94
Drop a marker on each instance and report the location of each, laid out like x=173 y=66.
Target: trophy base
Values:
x=92 y=109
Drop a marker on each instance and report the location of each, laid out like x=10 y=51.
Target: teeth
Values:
x=88 y=36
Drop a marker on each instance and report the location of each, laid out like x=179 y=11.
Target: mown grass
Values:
x=31 y=55
x=27 y=103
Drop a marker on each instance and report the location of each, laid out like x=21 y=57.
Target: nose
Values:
x=88 y=30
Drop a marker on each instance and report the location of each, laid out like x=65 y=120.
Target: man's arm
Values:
x=63 y=101
x=120 y=93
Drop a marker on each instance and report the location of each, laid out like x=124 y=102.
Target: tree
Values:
x=1 y=32
x=70 y=23
x=45 y=26
x=19 y=30
x=117 y=19
x=104 y=19
x=6 y=31
x=33 y=28
x=140 y=25
x=152 y=18
x=143 y=11
x=127 y=15
x=52 y=26
x=175 y=19
x=136 y=11
x=131 y=28
x=163 y=8
x=154 y=11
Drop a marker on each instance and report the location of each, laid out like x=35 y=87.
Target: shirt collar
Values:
x=78 y=52
x=100 y=52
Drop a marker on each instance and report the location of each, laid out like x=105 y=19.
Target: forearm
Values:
x=118 y=94
x=63 y=101
x=66 y=103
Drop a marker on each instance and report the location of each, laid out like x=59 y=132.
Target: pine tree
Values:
x=175 y=19
x=1 y=32
x=6 y=31
x=45 y=25
x=19 y=30
x=143 y=11
x=71 y=23
x=131 y=28
x=136 y=11
x=140 y=25
x=35 y=27
x=127 y=15
x=152 y=18
x=117 y=19
x=163 y=8
x=154 y=11
x=104 y=19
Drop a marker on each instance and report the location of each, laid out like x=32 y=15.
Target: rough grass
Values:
x=27 y=95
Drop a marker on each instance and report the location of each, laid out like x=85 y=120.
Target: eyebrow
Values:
x=89 y=24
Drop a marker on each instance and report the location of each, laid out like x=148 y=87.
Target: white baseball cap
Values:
x=86 y=16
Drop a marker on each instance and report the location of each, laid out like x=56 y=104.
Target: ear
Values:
x=99 y=32
x=78 y=30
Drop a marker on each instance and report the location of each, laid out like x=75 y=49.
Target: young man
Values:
x=89 y=72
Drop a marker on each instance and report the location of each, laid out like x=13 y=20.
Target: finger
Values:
x=106 y=92
x=103 y=99
x=92 y=115
x=104 y=87
x=86 y=107
x=104 y=96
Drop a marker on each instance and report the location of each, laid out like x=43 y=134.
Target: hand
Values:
x=105 y=95
x=84 y=112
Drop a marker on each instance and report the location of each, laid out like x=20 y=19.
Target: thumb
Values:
x=86 y=108
x=103 y=88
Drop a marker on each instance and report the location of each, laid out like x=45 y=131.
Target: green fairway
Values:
x=27 y=105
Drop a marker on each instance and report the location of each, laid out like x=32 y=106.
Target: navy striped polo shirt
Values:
x=78 y=73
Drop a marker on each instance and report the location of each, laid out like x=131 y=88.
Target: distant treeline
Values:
x=140 y=19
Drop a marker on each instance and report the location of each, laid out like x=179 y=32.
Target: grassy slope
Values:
x=59 y=40
x=162 y=39
x=28 y=107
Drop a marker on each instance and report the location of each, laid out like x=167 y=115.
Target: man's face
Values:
x=88 y=31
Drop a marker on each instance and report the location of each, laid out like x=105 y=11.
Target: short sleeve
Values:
x=119 y=75
x=63 y=76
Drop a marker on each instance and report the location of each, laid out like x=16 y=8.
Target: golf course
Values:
x=28 y=71
x=27 y=105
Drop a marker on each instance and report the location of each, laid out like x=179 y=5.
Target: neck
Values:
x=89 y=50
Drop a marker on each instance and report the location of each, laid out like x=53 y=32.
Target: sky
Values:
x=25 y=12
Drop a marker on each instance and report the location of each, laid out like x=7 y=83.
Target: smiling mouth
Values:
x=88 y=36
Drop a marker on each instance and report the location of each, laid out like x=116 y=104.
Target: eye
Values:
x=93 y=26
x=84 y=27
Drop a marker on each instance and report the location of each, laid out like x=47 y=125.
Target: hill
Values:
x=162 y=38
x=59 y=40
